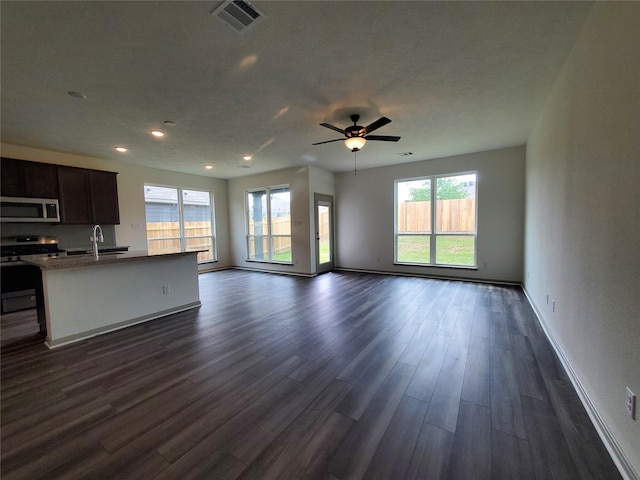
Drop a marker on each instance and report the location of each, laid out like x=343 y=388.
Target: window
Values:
x=436 y=226
x=179 y=220
x=269 y=224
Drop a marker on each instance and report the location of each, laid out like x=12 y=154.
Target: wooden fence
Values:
x=281 y=231
x=164 y=237
x=452 y=216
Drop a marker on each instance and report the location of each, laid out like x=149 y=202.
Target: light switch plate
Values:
x=631 y=403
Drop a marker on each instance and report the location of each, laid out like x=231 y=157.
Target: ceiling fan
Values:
x=357 y=136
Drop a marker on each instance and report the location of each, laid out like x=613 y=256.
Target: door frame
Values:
x=318 y=199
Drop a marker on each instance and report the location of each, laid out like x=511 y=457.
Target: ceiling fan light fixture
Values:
x=355 y=143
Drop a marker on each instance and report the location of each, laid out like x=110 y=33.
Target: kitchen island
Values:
x=82 y=297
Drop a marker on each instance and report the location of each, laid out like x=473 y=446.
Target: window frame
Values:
x=182 y=239
x=433 y=233
x=270 y=236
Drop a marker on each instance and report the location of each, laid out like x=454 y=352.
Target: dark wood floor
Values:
x=340 y=376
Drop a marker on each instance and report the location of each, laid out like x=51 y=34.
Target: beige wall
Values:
x=583 y=221
x=365 y=215
x=131 y=180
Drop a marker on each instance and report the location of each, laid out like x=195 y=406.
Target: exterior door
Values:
x=324 y=232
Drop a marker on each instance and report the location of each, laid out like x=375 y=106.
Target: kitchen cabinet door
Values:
x=75 y=206
x=103 y=187
x=21 y=178
x=14 y=178
x=42 y=179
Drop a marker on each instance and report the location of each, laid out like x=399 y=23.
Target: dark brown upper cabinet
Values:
x=103 y=190
x=88 y=196
x=21 y=178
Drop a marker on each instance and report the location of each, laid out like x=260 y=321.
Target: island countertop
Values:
x=80 y=297
x=75 y=261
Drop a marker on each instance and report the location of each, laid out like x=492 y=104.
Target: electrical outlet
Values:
x=631 y=403
x=165 y=289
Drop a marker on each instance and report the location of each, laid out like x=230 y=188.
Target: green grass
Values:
x=283 y=256
x=450 y=250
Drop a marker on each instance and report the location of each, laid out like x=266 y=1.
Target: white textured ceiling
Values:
x=454 y=77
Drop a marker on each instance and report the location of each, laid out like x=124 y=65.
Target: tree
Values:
x=421 y=194
x=447 y=188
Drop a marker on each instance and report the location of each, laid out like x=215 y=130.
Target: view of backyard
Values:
x=450 y=250
x=436 y=225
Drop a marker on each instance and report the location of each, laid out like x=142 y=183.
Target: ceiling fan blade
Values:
x=329 y=141
x=383 y=138
x=333 y=128
x=381 y=122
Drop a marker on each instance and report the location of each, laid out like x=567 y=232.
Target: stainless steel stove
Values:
x=16 y=249
x=20 y=281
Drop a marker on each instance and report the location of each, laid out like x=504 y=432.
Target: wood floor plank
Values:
x=510 y=457
x=481 y=324
x=344 y=375
x=471 y=454
x=424 y=381
x=308 y=444
x=506 y=408
x=444 y=404
x=476 y=387
x=587 y=450
x=248 y=445
x=264 y=391
x=550 y=453
x=373 y=375
x=358 y=447
x=431 y=455
x=393 y=456
x=529 y=377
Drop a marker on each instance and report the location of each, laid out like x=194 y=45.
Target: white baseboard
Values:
x=607 y=437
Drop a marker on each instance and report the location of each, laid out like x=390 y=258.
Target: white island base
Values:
x=83 y=297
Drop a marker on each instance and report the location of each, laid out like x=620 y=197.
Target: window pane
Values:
x=201 y=243
x=324 y=243
x=414 y=248
x=414 y=206
x=163 y=219
x=196 y=210
x=456 y=204
x=269 y=241
x=281 y=249
x=455 y=249
x=157 y=247
x=280 y=211
x=166 y=226
x=257 y=212
x=258 y=247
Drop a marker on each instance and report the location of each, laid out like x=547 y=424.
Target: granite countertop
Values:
x=53 y=263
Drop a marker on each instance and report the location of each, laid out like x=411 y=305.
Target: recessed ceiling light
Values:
x=75 y=94
x=169 y=123
x=247 y=157
x=157 y=133
x=122 y=149
x=208 y=167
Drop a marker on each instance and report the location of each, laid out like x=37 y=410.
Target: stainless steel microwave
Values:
x=18 y=209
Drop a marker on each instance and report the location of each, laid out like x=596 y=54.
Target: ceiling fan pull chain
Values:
x=355 y=163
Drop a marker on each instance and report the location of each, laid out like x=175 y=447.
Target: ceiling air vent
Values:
x=239 y=15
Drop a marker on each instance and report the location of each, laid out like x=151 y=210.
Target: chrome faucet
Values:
x=97 y=237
